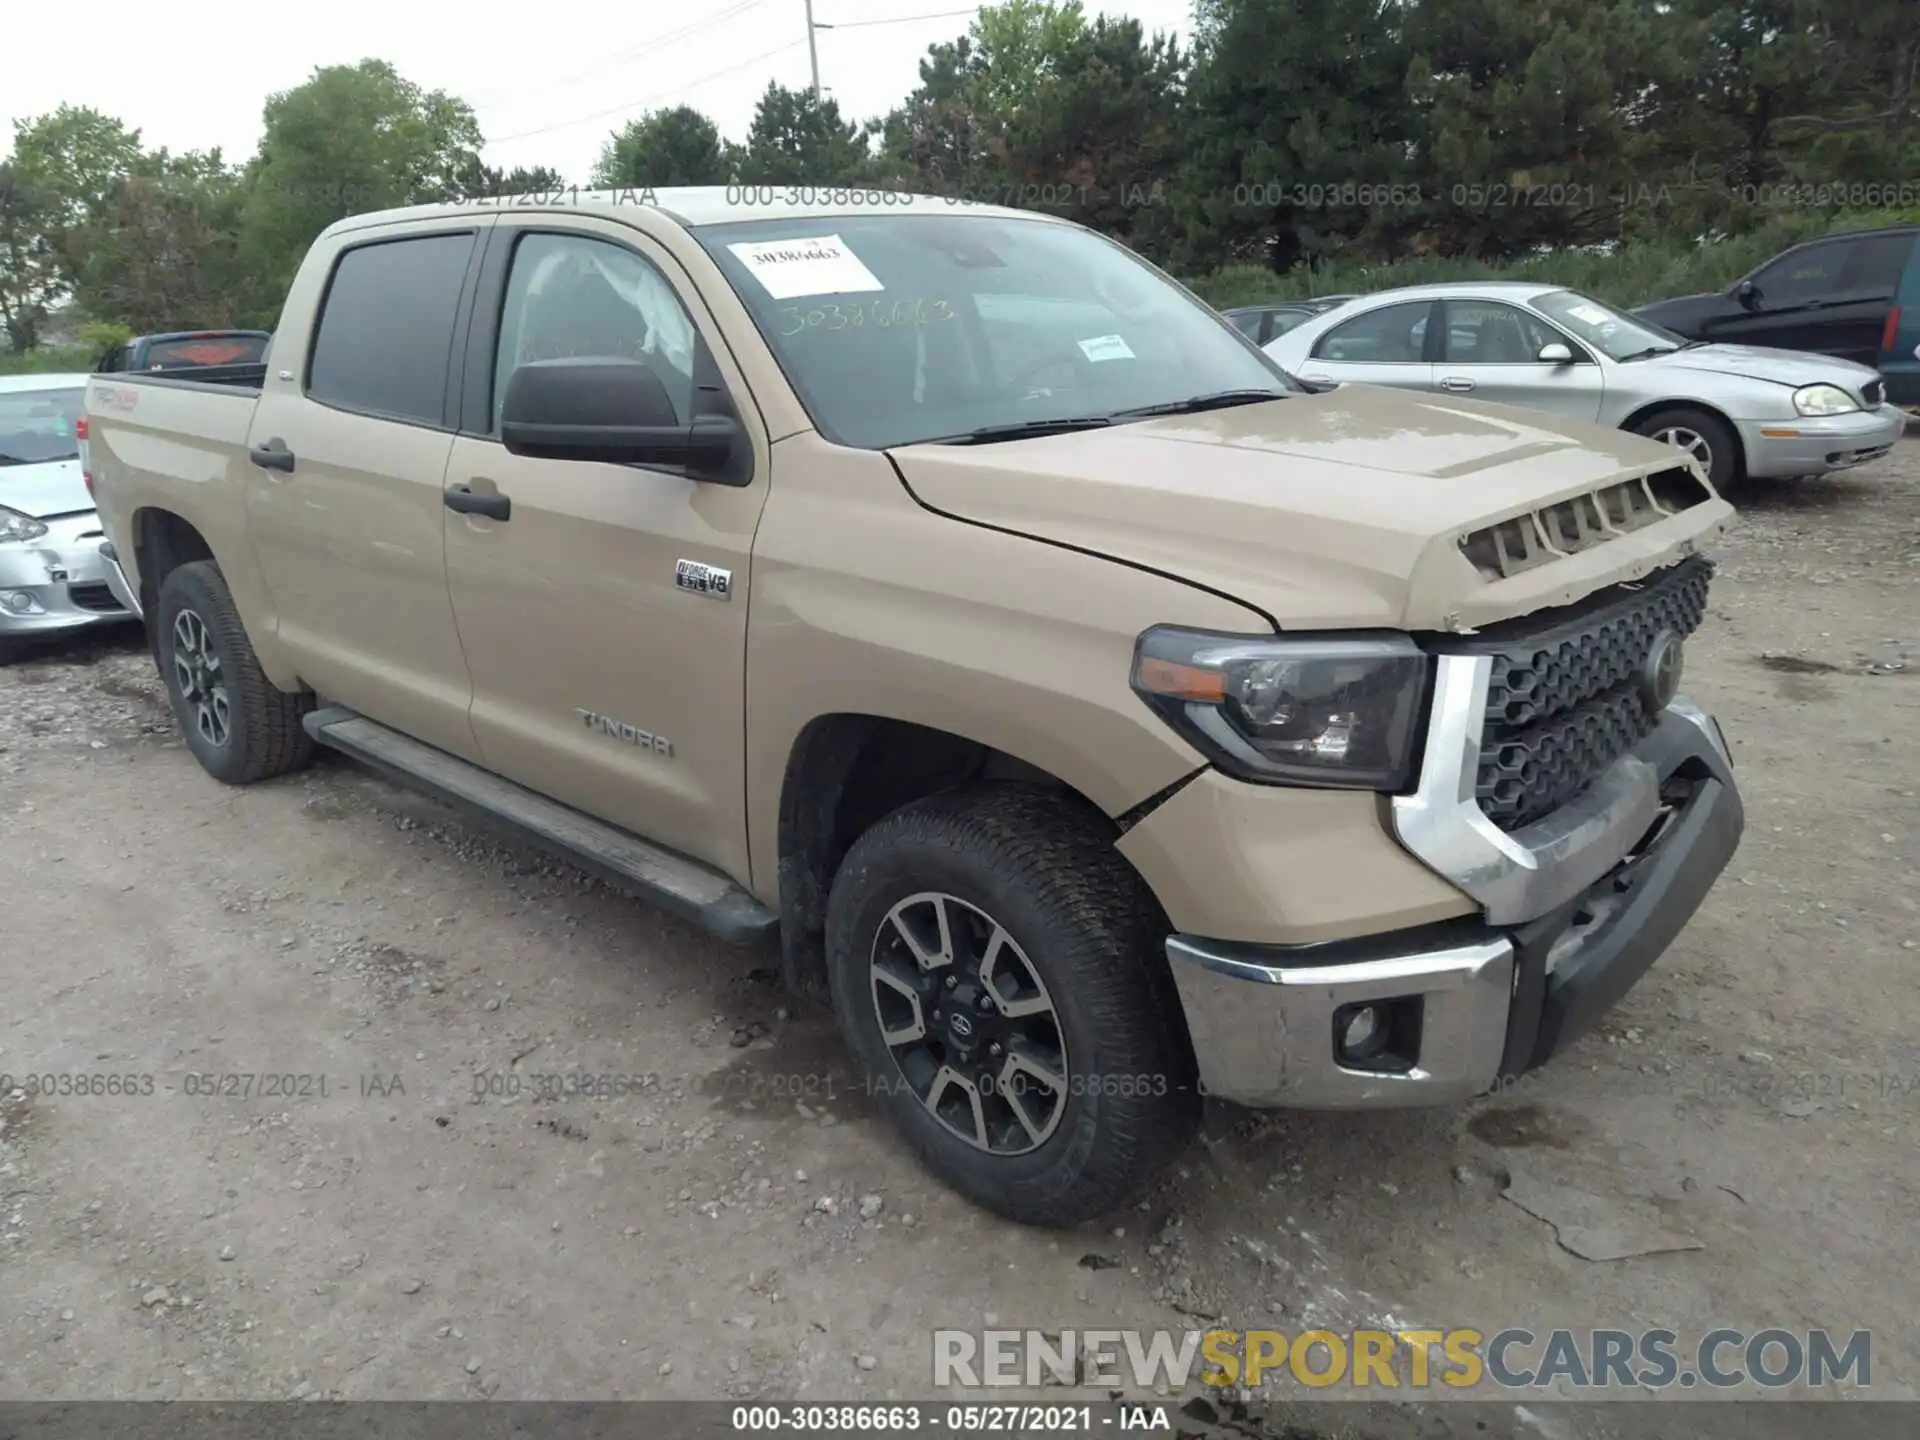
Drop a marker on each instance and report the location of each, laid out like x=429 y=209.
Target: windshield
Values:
x=902 y=328
x=1618 y=335
x=37 y=425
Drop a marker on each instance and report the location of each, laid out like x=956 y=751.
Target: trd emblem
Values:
x=701 y=579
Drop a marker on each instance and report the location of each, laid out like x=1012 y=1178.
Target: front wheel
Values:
x=1707 y=438
x=997 y=970
x=240 y=727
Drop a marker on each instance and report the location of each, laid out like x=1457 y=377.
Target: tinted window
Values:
x=1484 y=332
x=386 y=327
x=209 y=350
x=1247 y=322
x=901 y=328
x=1392 y=335
x=1803 y=275
x=572 y=297
x=1875 y=263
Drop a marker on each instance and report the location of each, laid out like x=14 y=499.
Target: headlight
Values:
x=1823 y=400
x=1338 y=711
x=15 y=526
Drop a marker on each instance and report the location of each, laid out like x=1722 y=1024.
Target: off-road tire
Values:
x=1728 y=469
x=1044 y=868
x=264 y=736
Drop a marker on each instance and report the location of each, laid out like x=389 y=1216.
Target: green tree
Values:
x=1294 y=105
x=352 y=138
x=69 y=161
x=676 y=146
x=29 y=270
x=162 y=252
x=799 y=138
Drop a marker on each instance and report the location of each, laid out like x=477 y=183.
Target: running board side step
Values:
x=683 y=887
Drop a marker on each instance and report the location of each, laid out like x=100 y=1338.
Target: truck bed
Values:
x=248 y=377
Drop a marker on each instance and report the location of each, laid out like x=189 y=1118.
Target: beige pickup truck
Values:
x=1098 y=718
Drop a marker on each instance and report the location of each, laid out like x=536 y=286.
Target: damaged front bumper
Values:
x=1576 y=909
x=58 y=582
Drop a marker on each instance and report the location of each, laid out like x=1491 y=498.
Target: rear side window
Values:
x=1875 y=263
x=1247 y=322
x=386 y=328
x=1391 y=335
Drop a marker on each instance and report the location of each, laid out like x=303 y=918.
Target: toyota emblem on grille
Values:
x=1660 y=671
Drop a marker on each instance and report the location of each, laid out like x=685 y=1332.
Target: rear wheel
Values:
x=1707 y=438
x=240 y=727
x=997 y=971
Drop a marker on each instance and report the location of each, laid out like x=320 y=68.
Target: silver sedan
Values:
x=1739 y=410
x=53 y=578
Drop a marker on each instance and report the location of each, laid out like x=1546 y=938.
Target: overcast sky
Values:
x=548 y=80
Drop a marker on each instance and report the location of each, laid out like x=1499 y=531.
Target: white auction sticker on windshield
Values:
x=1592 y=314
x=811 y=265
x=1106 y=347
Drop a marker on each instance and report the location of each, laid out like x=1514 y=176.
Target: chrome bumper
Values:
x=1578 y=907
x=117 y=581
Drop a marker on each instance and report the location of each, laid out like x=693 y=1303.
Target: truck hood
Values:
x=52 y=487
x=1759 y=362
x=1350 y=509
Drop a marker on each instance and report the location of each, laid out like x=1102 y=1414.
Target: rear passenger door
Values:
x=348 y=454
x=1384 y=346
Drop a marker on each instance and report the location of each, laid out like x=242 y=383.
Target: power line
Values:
x=647 y=100
x=659 y=42
x=896 y=20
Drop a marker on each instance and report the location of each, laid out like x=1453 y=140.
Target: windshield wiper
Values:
x=1649 y=351
x=1194 y=404
x=1027 y=429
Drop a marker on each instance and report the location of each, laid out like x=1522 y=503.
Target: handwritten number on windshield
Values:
x=882 y=314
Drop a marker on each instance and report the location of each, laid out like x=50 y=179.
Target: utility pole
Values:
x=813 y=53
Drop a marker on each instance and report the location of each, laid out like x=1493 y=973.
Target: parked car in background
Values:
x=1852 y=296
x=1740 y=410
x=1261 y=323
x=185 y=350
x=53 y=578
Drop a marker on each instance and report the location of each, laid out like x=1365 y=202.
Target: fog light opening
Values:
x=1378 y=1035
x=20 y=602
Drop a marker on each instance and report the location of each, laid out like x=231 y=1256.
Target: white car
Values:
x=1739 y=410
x=53 y=578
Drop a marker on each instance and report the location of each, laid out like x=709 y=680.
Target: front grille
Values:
x=1873 y=394
x=93 y=595
x=1563 y=701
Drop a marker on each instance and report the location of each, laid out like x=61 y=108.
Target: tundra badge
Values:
x=620 y=730
x=708 y=580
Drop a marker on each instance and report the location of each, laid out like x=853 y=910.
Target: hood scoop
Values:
x=1539 y=537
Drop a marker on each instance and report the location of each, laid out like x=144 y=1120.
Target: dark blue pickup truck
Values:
x=1853 y=295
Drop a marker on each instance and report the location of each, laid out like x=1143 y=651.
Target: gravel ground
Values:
x=740 y=1224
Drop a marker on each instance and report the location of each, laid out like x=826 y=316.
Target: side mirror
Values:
x=613 y=411
x=1747 y=293
x=1555 y=354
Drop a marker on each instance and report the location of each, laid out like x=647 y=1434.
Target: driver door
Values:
x=1491 y=351
x=578 y=608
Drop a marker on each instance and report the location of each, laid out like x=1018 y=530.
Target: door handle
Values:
x=462 y=499
x=272 y=455
x=1457 y=384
